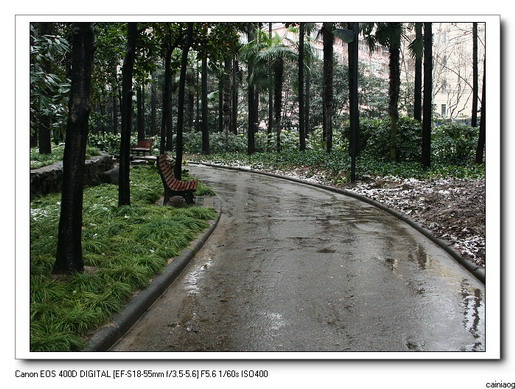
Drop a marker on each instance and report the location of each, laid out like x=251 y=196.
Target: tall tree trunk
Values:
x=221 y=102
x=33 y=138
x=153 y=106
x=167 y=107
x=169 y=121
x=252 y=103
x=353 y=98
x=253 y=99
x=302 y=117
x=205 y=127
x=124 y=196
x=417 y=108
x=227 y=95
x=115 y=111
x=394 y=87
x=190 y=80
x=428 y=92
x=482 y=124
x=140 y=112
x=45 y=124
x=180 y=104
x=270 y=127
x=278 y=95
x=234 y=106
x=69 y=248
x=198 y=99
x=328 y=41
x=475 y=76
x=307 y=120
x=103 y=113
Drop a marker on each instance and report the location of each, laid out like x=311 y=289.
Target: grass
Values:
x=124 y=246
x=336 y=165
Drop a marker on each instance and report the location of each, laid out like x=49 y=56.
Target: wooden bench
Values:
x=173 y=186
x=143 y=146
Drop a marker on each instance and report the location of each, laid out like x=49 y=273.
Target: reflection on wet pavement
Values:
x=473 y=312
x=296 y=268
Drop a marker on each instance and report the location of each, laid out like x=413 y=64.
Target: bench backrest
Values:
x=164 y=167
x=146 y=143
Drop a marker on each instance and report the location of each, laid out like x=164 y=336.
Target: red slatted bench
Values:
x=173 y=186
x=143 y=147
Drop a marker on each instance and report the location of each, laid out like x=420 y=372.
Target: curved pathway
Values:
x=291 y=267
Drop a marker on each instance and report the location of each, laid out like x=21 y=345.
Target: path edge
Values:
x=120 y=323
x=476 y=271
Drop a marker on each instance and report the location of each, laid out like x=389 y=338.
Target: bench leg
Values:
x=166 y=197
x=190 y=199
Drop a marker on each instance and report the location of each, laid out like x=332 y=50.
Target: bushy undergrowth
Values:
x=452 y=143
x=336 y=165
x=123 y=248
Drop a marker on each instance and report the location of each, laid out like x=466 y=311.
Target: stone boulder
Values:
x=48 y=179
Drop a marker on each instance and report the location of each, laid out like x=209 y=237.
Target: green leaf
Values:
x=345 y=35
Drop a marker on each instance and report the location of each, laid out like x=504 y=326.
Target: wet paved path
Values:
x=295 y=268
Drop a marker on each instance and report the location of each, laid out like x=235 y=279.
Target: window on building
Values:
x=444 y=110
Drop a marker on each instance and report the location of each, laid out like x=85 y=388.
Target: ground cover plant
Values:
x=123 y=248
x=335 y=166
x=38 y=160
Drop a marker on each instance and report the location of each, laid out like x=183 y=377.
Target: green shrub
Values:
x=109 y=143
x=453 y=143
x=219 y=142
x=375 y=138
x=315 y=140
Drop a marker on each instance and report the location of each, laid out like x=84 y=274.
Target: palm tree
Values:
x=309 y=57
x=305 y=56
x=205 y=128
x=389 y=35
x=270 y=97
x=328 y=41
x=417 y=50
x=302 y=117
x=259 y=53
x=353 y=97
x=252 y=94
x=170 y=36
x=428 y=92
x=180 y=104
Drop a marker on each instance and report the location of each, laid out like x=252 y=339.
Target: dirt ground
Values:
x=452 y=209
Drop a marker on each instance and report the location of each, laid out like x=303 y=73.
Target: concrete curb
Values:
x=475 y=270
x=107 y=336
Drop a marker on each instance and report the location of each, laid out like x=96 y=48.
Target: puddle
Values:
x=192 y=278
